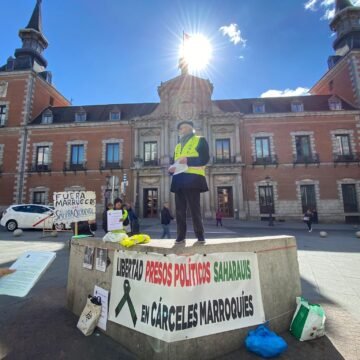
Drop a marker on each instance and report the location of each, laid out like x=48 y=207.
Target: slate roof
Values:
x=342 y=4
x=279 y=104
x=100 y=113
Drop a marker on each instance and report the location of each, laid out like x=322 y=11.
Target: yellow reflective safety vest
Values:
x=189 y=150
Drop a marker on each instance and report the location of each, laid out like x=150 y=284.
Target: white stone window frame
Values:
x=75 y=188
x=112 y=141
x=334 y=142
x=3 y=88
x=274 y=185
x=2 y=151
x=294 y=106
x=299 y=183
x=34 y=152
x=68 y=150
x=48 y=115
x=39 y=189
x=293 y=134
x=254 y=136
x=348 y=181
x=7 y=104
x=258 y=105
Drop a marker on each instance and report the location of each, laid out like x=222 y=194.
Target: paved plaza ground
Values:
x=40 y=327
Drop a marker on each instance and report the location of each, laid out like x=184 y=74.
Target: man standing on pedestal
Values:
x=191 y=155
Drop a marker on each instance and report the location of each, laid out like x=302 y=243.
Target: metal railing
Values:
x=75 y=167
x=353 y=157
x=40 y=167
x=107 y=165
x=154 y=162
x=224 y=160
x=266 y=160
x=309 y=159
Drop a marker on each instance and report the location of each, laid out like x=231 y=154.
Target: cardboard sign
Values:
x=74 y=206
x=175 y=298
x=113 y=219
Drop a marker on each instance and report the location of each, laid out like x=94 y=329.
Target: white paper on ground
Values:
x=104 y=294
x=29 y=268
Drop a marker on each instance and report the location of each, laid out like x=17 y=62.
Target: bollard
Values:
x=17 y=232
x=54 y=234
x=323 y=234
x=357 y=234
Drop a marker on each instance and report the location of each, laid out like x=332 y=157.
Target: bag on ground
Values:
x=308 y=321
x=90 y=315
x=265 y=342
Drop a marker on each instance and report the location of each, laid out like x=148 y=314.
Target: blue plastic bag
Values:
x=265 y=342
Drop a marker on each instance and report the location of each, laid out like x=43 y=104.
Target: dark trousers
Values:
x=218 y=221
x=191 y=198
x=308 y=223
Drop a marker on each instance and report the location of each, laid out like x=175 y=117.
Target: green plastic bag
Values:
x=308 y=321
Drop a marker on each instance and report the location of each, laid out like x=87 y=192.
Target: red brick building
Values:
x=268 y=155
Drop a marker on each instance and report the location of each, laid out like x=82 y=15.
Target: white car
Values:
x=27 y=216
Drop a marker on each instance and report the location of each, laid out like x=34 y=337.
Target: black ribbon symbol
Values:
x=124 y=299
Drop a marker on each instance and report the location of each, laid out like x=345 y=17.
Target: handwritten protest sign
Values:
x=174 y=298
x=74 y=206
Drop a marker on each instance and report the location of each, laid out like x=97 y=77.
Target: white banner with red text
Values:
x=175 y=298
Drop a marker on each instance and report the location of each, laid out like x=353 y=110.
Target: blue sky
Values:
x=113 y=51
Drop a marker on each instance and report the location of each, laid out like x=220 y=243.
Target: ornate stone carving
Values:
x=221 y=180
x=3 y=88
x=150 y=181
x=150 y=132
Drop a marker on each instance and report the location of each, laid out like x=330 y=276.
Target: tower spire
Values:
x=35 y=22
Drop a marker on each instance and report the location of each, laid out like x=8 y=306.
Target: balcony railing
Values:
x=348 y=158
x=40 y=167
x=309 y=159
x=154 y=162
x=107 y=165
x=75 y=167
x=224 y=160
x=266 y=160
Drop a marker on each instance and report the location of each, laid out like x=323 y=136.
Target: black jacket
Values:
x=166 y=216
x=193 y=181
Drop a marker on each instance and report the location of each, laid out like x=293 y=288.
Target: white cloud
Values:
x=233 y=33
x=241 y=57
x=287 y=92
x=328 y=6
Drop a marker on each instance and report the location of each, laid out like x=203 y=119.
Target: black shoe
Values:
x=200 y=242
x=179 y=241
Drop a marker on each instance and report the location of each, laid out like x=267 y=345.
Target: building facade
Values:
x=269 y=156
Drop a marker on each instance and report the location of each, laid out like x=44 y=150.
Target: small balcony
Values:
x=107 y=165
x=224 y=160
x=265 y=161
x=348 y=158
x=309 y=159
x=75 y=167
x=40 y=168
x=154 y=162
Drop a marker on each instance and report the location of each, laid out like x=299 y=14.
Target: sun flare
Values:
x=196 y=50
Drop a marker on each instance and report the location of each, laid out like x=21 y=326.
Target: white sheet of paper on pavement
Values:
x=113 y=218
x=29 y=268
x=179 y=168
x=104 y=294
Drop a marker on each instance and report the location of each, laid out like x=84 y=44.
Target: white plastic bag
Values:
x=90 y=315
x=308 y=321
x=114 y=237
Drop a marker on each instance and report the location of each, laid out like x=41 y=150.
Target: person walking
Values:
x=218 y=217
x=166 y=218
x=134 y=221
x=191 y=155
x=308 y=219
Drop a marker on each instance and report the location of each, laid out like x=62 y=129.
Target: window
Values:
x=262 y=148
x=258 y=108
x=112 y=154
x=150 y=153
x=2 y=115
x=303 y=149
x=51 y=101
x=39 y=197
x=343 y=144
x=47 y=117
x=266 y=200
x=349 y=197
x=308 y=198
x=222 y=150
x=114 y=115
x=335 y=104
x=77 y=155
x=297 y=107
x=80 y=116
x=42 y=158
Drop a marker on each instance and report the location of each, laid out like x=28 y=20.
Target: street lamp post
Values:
x=269 y=203
x=137 y=165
